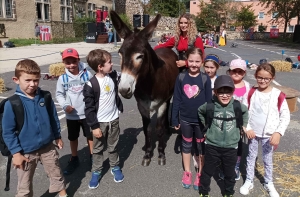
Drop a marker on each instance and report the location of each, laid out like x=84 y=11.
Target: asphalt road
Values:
x=154 y=180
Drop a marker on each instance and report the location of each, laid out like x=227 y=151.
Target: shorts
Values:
x=37 y=34
x=74 y=129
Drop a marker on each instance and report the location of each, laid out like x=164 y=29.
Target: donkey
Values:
x=150 y=76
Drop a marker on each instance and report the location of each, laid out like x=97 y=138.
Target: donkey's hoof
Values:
x=162 y=161
x=146 y=162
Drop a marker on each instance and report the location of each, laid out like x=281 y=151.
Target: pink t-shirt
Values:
x=239 y=93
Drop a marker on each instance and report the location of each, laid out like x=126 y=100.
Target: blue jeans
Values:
x=110 y=36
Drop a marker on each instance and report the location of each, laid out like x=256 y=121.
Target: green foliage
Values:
x=171 y=8
x=261 y=28
x=18 y=42
x=245 y=17
x=84 y=20
x=126 y=20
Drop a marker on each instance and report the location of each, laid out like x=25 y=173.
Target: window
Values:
x=261 y=15
x=66 y=10
x=274 y=15
x=194 y=2
x=91 y=8
x=6 y=9
x=42 y=10
x=291 y=28
x=273 y=26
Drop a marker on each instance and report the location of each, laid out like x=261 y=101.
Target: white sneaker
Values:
x=271 y=189
x=245 y=189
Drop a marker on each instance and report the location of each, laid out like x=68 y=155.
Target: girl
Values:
x=268 y=120
x=211 y=65
x=185 y=37
x=237 y=71
x=190 y=92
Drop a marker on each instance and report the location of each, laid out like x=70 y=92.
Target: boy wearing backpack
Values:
x=224 y=119
x=102 y=114
x=69 y=95
x=40 y=122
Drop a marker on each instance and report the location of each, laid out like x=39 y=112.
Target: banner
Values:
x=45 y=33
x=274 y=33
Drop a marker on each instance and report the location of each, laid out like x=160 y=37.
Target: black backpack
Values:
x=18 y=110
x=210 y=111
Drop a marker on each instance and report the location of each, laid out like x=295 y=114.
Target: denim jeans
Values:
x=110 y=36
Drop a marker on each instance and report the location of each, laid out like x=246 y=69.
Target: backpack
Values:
x=18 y=110
x=65 y=77
x=210 y=111
x=281 y=98
x=203 y=76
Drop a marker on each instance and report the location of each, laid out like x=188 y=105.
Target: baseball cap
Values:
x=70 y=52
x=213 y=58
x=238 y=63
x=223 y=81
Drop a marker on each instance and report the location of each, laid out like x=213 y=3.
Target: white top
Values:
x=108 y=110
x=260 y=112
x=276 y=121
x=213 y=82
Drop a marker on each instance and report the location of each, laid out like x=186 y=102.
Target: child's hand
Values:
x=97 y=133
x=250 y=134
x=59 y=143
x=275 y=139
x=19 y=161
x=69 y=109
x=177 y=127
x=180 y=63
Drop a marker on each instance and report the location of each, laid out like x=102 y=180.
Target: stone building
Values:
x=20 y=16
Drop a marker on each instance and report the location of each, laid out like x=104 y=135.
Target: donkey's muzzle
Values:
x=126 y=92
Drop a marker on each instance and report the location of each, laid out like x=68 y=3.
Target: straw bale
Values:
x=56 y=69
x=2 y=86
x=282 y=65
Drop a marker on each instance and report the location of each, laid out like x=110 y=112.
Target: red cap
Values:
x=70 y=53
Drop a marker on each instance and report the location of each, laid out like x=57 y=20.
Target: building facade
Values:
x=20 y=16
x=263 y=17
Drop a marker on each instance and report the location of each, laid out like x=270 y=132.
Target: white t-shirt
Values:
x=108 y=110
x=260 y=110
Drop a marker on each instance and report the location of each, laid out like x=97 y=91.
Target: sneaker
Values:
x=118 y=176
x=245 y=189
x=197 y=182
x=271 y=189
x=72 y=165
x=227 y=195
x=94 y=182
x=238 y=175
x=221 y=175
x=186 y=179
x=203 y=195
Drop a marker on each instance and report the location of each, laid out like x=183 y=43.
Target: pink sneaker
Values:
x=197 y=183
x=186 y=179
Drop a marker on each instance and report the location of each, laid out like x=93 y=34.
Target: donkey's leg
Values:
x=161 y=128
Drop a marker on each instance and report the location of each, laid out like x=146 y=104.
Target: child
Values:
x=237 y=72
x=102 y=111
x=39 y=124
x=267 y=123
x=189 y=93
x=70 y=97
x=211 y=65
x=222 y=135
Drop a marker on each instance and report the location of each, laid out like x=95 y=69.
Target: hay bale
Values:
x=57 y=69
x=2 y=86
x=282 y=65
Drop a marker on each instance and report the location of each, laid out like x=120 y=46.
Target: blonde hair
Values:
x=27 y=66
x=192 y=30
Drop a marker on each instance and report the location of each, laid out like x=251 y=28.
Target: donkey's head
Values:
x=135 y=53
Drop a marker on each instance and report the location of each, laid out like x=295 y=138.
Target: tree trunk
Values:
x=285 y=27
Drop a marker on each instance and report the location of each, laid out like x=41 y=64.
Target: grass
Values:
x=18 y=42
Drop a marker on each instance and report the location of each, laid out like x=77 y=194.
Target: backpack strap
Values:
x=238 y=113
x=96 y=90
x=250 y=93
x=47 y=99
x=204 y=78
x=281 y=98
x=181 y=76
x=210 y=110
x=85 y=75
x=65 y=81
x=18 y=109
x=8 y=167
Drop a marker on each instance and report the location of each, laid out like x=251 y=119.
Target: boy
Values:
x=70 y=97
x=39 y=124
x=102 y=113
x=222 y=134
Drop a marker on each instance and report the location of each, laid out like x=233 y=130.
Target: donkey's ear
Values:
x=119 y=25
x=148 y=30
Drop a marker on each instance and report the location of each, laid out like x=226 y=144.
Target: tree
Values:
x=296 y=10
x=284 y=11
x=246 y=18
x=172 y=8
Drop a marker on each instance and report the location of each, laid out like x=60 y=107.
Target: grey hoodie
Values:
x=70 y=92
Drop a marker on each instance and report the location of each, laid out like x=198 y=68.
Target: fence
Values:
x=231 y=35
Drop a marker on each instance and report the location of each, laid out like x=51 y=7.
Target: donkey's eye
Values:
x=140 y=57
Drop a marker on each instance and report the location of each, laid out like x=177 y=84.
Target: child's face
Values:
x=263 y=79
x=107 y=67
x=194 y=62
x=237 y=74
x=224 y=95
x=28 y=83
x=210 y=69
x=71 y=64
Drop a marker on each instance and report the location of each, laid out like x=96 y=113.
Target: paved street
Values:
x=154 y=180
